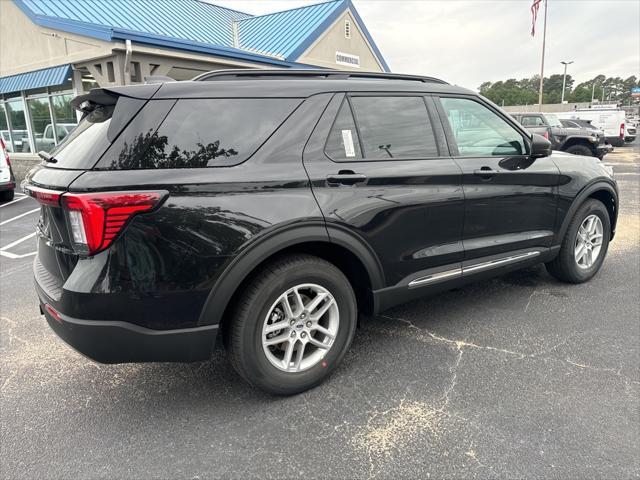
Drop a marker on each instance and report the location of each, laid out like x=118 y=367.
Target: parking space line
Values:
x=14 y=201
x=20 y=240
x=14 y=256
x=20 y=216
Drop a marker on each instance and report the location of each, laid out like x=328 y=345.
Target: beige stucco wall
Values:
x=24 y=46
x=323 y=51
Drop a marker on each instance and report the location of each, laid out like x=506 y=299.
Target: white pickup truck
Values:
x=46 y=142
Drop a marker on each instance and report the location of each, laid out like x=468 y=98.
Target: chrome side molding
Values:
x=435 y=277
x=499 y=261
x=461 y=271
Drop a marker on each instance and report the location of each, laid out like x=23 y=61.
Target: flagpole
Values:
x=544 y=39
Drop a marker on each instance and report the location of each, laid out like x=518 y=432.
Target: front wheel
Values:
x=584 y=245
x=293 y=324
x=580 y=150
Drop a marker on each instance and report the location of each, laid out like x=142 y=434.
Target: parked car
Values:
x=629 y=132
x=20 y=140
x=609 y=118
x=577 y=123
x=578 y=141
x=277 y=208
x=7 y=179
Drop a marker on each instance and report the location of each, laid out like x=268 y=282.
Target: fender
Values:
x=578 y=140
x=273 y=242
x=579 y=199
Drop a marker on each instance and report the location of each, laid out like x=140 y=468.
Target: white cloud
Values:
x=467 y=42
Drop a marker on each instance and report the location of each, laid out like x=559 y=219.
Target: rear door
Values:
x=510 y=199
x=380 y=168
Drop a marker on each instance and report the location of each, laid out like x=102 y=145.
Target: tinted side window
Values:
x=394 y=127
x=478 y=131
x=200 y=133
x=343 y=144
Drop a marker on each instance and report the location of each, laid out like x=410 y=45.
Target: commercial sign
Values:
x=635 y=92
x=347 y=59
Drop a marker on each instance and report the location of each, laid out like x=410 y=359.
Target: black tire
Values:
x=244 y=335
x=580 y=150
x=564 y=267
x=7 y=196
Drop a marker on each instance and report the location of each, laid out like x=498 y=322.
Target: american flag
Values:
x=534 y=15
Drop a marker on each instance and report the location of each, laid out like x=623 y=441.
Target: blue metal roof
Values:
x=46 y=77
x=184 y=19
x=282 y=32
x=196 y=25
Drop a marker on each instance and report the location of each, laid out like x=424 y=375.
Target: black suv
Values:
x=274 y=207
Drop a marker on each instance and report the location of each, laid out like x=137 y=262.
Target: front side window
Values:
x=394 y=127
x=553 y=121
x=478 y=131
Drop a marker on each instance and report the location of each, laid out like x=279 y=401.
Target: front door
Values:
x=510 y=199
x=380 y=168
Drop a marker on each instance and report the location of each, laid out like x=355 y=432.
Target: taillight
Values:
x=546 y=134
x=622 y=130
x=44 y=196
x=53 y=312
x=95 y=219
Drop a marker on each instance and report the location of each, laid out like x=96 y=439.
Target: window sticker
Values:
x=347 y=139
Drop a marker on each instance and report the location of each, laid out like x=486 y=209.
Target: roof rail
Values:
x=257 y=74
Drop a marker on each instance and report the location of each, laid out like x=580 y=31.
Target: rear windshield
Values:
x=86 y=143
x=196 y=133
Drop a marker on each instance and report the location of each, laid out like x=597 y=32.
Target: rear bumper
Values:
x=615 y=141
x=603 y=149
x=7 y=186
x=123 y=342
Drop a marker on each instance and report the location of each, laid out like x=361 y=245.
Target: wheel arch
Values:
x=571 y=141
x=600 y=190
x=345 y=250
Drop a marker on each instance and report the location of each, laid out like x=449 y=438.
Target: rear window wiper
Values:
x=47 y=157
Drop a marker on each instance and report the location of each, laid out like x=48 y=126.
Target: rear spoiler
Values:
x=101 y=97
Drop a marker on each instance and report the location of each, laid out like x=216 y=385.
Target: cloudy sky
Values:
x=467 y=42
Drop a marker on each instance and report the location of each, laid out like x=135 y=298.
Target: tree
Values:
x=525 y=91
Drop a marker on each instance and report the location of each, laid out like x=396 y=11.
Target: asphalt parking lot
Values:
x=521 y=376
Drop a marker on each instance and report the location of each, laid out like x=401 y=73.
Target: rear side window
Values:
x=343 y=144
x=199 y=133
x=394 y=127
x=531 y=121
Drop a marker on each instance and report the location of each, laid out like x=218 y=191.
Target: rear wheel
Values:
x=293 y=324
x=580 y=150
x=584 y=246
x=6 y=196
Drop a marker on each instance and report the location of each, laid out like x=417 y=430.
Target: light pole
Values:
x=564 y=78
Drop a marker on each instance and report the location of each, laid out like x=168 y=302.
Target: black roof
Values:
x=252 y=83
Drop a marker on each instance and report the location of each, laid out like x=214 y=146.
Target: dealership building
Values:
x=52 y=50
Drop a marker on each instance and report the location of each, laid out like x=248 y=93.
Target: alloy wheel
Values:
x=300 y=327
x=588 y=242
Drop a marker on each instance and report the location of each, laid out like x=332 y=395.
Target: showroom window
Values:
x=37 y=120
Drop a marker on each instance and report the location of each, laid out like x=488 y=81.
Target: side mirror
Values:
x=540 y=146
